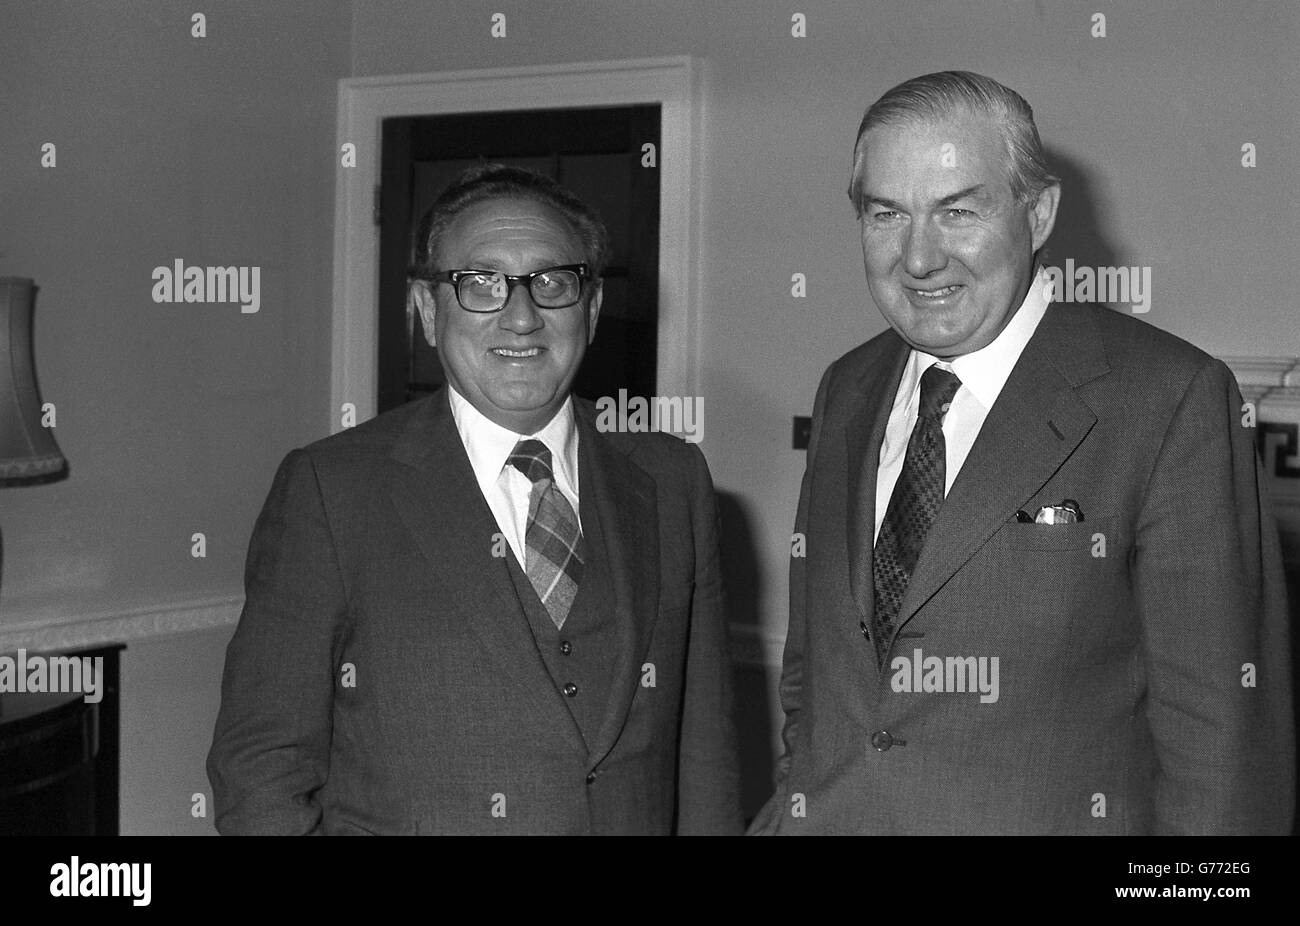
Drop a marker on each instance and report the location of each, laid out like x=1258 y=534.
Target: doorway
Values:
x=599 y=154
x=364 y=103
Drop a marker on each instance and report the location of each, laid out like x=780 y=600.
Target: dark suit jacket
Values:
x=374 y=554
x=1122 y=707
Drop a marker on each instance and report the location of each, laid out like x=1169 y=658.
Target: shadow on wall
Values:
x=742 y=581
x=1079 y=233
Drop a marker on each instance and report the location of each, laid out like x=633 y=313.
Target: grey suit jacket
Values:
x=1142 y=654
x=384 y=679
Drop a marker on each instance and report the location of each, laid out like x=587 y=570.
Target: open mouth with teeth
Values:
x=941 y=293
x=517 y=354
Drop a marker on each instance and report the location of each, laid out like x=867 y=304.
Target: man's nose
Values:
x=520 y=314
x=923 y=249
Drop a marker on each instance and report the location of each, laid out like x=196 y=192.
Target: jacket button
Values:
x=866 y=633
x=571 y=690
x=882 y=740
x=566 y=647
x=591 y=777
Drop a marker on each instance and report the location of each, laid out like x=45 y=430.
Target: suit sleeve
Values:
x=708 y=772
x=270 y=750
x=1212 y=603
x=791 y=687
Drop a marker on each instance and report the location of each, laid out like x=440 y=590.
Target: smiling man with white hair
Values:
x=479 y=613
x=1060 y=492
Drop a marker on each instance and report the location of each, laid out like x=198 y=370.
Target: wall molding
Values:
x=1261 y=376
x=749 y=645
x=122 y=626
x=1273 y=385
x=364 y=102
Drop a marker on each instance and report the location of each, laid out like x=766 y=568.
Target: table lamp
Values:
x=28 y=452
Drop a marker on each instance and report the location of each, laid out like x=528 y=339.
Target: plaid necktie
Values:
x=912 y=507
x=553 y=540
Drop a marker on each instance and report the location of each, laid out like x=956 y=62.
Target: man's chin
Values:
x=530 y=405
x=936 y=343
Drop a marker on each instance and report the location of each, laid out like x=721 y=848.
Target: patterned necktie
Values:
x=912 y=507
x=553 y=540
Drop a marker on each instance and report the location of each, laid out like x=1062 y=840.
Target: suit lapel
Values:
x=439 y=501
x=622 y=496
x=1034 y=426
x=863 y=434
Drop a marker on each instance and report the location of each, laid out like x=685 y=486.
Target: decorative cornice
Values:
x=30 y=467
x=1283 y=397
x=1264 y=371
x=750 y=645
x=1261 y=377
x=120 y=626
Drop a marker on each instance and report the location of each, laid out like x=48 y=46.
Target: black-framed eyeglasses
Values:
x=489 y=290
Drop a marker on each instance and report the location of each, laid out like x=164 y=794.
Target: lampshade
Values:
x=27 y=450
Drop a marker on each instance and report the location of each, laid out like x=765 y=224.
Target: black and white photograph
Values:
x=650 y=418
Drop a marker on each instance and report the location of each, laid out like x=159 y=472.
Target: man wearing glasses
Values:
x=477 y=613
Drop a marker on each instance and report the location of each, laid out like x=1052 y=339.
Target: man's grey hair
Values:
x=932 y=97
x=497 y=181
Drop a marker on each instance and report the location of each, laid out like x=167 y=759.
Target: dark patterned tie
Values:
x=918 y=494
x=553 y=540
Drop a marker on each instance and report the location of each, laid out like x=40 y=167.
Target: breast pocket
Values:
x=1084 y=536
x=1040 y=578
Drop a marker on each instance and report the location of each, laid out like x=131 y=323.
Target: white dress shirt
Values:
x=504 y=487
x=983 y=373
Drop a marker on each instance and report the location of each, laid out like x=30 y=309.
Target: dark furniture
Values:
x=59 y=759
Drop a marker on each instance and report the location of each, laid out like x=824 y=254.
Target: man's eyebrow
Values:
x=978 y=190
x=490 y=264
x=881 y=201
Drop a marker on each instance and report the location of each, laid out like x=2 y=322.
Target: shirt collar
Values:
x=489 y=445
x=985 y=371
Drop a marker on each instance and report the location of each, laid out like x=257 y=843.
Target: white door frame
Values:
x=363 y=102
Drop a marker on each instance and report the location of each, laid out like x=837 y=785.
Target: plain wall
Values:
x=220 y=151
x=170 y=694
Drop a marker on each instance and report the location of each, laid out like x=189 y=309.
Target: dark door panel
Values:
x=597 y=153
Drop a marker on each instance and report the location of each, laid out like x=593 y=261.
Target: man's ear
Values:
x=593 y=309
x=419 y=295
x=1042 y=215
